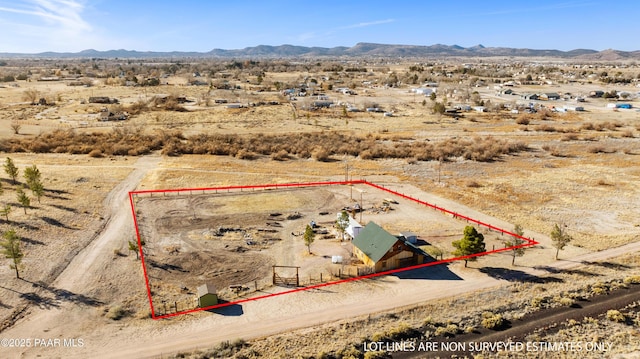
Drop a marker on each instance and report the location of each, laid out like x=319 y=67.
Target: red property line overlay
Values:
x=528 y=242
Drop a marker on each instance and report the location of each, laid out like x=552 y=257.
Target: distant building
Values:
x=530 y=96
x=550 y=96
x=424 y=91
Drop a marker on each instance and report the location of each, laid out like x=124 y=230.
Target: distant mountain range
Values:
x=359 y=50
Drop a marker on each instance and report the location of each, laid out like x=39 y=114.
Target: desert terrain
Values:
x=471 y=148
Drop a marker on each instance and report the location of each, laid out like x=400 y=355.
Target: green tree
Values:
x=23 y=199
x=133 y=246
x=471 y=243
x=439 y=108
x=433 y=96
x=11 y=249
x=11 y=169
x=309 y=237
x=342 y=223
x=5 y=211
x=37 y=189
x=32 y=175
x=515 y=241
x=559 y=238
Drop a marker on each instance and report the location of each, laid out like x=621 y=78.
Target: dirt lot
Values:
x=233 y=238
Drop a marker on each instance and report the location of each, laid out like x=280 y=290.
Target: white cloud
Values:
x=366 y=24
x=46 y=25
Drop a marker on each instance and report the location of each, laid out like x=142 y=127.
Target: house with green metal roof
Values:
x=382 y=251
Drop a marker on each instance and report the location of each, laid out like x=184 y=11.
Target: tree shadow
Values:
x=512 y=275
x=608 y=265
x=64 y=208
x=40 y=301
x=24 y=225
x=57 y=197
x=566 y=271
x=32 y=241
x=5 y=306
x=165 y=266
x=55 y=222
x=65 y=295
x=56 y=191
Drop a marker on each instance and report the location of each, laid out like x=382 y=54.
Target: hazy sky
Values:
x=187 y=25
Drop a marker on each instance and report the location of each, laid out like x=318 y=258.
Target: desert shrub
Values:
x=545 y=128
x=281 y=155
x=569 y=137
x=615 y=316
x=376 y=355
x=492 y=321
x=245 y=155
x=116 y=312
x=402 y=331
x=469 y=329
x=95 y=153
x=523 y=119
x=597 y=149
x=321 y=154
x=473 y=184
x=628 y=134
x=599 y=289
x=349 y=352
x=447 y=331
x=366 y=155
x=555 y=152
x=565 y=301
x=587 y=126
x=634 y=279
x=138 y=107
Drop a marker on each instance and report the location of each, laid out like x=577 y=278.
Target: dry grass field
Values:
x=576 y=169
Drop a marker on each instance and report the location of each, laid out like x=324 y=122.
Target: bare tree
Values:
x=16 y=126
x=31 y=95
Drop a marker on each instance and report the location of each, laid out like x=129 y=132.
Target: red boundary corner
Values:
x=529 y=242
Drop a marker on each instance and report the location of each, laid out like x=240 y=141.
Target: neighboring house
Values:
x=530 y=96
x=382 y=251
x=207 y=295
x=550 y=96
x=424 y=91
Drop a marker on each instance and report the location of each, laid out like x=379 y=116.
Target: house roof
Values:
x=374 y=241
x=205 y=289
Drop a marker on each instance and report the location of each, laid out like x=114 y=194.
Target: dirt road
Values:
x=90 y=262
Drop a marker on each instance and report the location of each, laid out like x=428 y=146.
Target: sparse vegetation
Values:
x=320 y=146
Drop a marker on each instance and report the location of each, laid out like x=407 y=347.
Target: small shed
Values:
x=207 y=295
